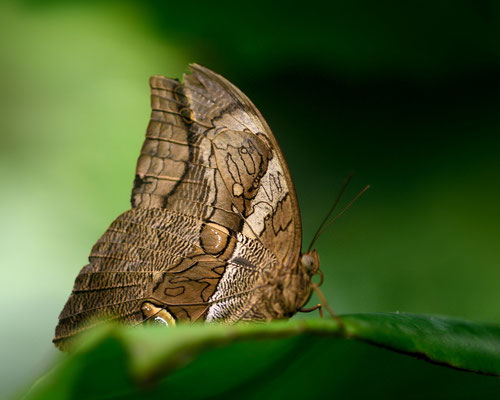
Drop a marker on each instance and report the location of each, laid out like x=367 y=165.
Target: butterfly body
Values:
x=214 y=232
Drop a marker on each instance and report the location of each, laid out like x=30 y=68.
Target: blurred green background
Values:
x=405 y=94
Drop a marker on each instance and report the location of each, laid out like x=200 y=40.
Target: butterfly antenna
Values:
x=344 y=209
x=337 y=200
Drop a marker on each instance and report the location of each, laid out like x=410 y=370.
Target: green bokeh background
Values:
x=406 y=95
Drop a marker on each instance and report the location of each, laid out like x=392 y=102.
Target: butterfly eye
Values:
x=310 y=262
x=307 y=262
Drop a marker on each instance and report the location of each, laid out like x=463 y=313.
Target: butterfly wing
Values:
x=213 y=209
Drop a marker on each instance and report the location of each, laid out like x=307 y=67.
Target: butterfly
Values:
x=214 y=233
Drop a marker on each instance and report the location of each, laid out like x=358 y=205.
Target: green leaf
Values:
x=442 y=340
x=213 y=360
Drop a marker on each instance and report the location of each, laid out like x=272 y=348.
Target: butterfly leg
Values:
x=324 y=303
x=318 y=307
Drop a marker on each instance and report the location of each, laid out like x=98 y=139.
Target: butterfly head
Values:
x=308 y=266
x=310 y=262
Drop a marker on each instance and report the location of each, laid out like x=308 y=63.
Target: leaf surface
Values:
x=203 y=361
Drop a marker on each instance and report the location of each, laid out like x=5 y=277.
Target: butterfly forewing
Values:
x=214 y=216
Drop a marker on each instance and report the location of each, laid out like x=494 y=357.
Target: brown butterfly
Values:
x=214 y=232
